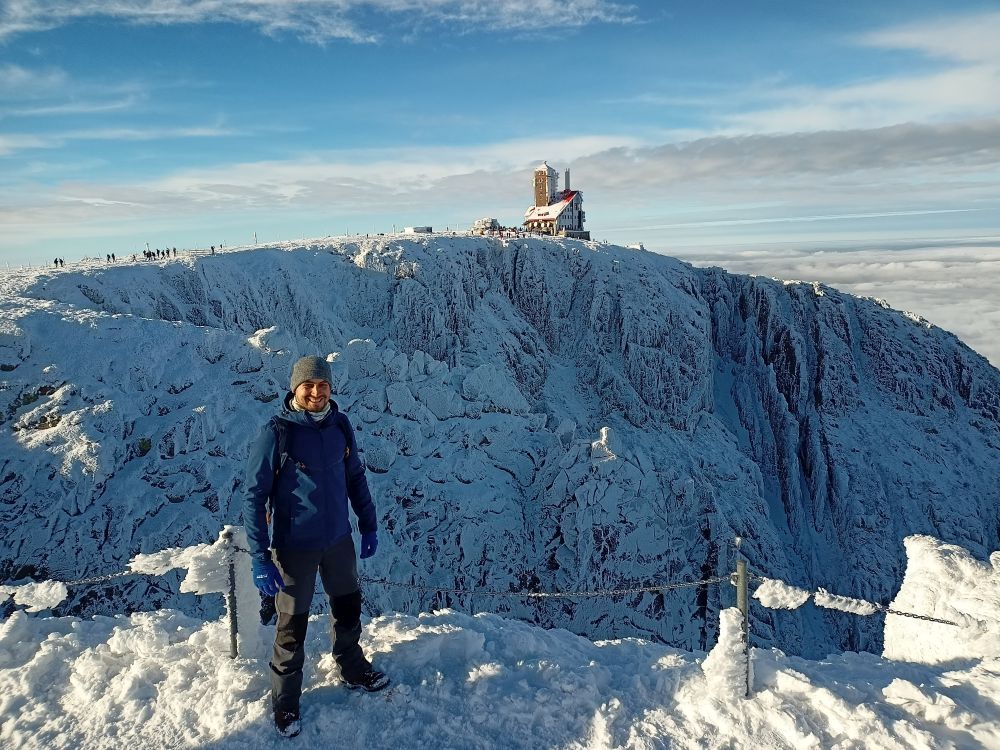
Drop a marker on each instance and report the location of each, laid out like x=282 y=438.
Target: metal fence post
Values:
x=743 y=605
x=234 y=652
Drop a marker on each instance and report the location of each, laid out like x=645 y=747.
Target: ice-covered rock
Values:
x=819 y=427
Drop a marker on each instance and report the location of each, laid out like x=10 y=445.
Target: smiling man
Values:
x=304 y=466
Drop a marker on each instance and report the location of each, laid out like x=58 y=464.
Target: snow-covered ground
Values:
x=164 y=680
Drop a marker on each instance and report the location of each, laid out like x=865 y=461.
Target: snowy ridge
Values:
x=481 y=375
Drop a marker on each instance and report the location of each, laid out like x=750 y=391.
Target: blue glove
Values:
x=369 y=543
x=266 y=576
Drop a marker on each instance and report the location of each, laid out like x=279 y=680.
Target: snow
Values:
x=600 y=449
x=542 y=415
x=37 y=596
x=207 y=565
x=945 y=581
x=726 y=665
x=775 y=594
x=824 y=598
x=164 y=680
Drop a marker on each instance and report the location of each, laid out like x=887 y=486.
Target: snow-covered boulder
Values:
x=496 y=388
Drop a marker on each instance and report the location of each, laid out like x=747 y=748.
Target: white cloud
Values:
x=19 y=82
x=52 y=92
x=787 y=219
x=10 y=143
x=74 y=107
x=804 y=179
x=966 y=84
x=954 y=287
x=320 y=20
x=972 y=38
x=17 y=142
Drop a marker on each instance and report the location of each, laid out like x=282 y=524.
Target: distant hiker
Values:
x=56 y=263
x=108 y=256
x=113 y=258
x=304 y=464
x=175 y=252
x=213 y=249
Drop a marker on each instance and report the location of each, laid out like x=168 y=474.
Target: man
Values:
x=305 y=462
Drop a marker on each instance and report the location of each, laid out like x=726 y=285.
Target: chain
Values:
x=530 y=594
x=887 y=609
x=123 y=574
x=543 y=594
x=101 y=579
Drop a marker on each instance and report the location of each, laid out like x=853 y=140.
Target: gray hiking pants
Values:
x=338 y=570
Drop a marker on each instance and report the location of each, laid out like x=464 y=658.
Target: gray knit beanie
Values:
x=311 y=368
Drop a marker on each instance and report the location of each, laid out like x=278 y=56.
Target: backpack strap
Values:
x=343 y=424
x=280 y=427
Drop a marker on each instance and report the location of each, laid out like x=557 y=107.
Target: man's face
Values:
x=313 y=395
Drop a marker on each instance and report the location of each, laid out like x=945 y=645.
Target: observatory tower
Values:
x=556 y=212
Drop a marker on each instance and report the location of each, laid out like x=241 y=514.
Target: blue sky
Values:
x=692 y=127
x=855 y=143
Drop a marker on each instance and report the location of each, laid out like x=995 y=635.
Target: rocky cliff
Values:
x=534 y=414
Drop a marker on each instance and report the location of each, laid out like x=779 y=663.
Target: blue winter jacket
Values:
x=309 y=490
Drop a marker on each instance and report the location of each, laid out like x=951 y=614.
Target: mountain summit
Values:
x=553 y=415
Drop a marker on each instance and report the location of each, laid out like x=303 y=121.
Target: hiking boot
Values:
x=371 y=680
x=287 y=723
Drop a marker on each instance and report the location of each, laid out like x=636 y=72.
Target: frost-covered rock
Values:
x=401 y=400
x=495 y=388
x=819 y=427
x=601 y=449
